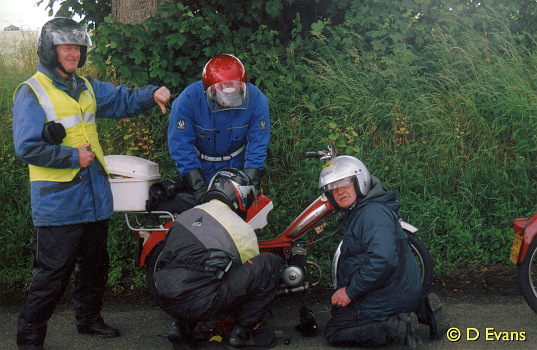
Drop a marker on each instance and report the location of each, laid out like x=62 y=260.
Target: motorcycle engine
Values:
x=293 y=276
x=294 y=273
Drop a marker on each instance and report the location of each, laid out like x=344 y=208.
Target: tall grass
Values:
x=17 y=62
x=450 y=128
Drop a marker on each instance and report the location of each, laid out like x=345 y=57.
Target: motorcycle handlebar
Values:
x=315 y=154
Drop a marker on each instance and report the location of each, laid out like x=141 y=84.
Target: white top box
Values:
x=132 y=167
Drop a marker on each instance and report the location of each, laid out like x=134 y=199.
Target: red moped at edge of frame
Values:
x=524 y=255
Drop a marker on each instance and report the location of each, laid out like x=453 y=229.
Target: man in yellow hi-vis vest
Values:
x=54 y=132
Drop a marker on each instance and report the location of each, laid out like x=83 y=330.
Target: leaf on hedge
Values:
x=317 y=27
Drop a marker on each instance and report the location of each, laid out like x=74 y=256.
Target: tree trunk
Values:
x=134 y=11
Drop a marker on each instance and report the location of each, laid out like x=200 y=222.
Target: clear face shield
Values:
x=227 y=95
x=346 y=181
x=75 y=37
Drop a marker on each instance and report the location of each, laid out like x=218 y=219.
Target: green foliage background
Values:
x=438 y=98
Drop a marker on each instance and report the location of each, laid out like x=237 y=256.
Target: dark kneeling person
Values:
x=211 y=265
x=379 y=290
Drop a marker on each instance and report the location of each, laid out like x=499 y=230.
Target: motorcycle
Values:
x=300 y=273
x=524 y=255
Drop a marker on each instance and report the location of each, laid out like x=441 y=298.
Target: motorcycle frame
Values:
x=312 y=216
x=527 y=229
x=318 y=211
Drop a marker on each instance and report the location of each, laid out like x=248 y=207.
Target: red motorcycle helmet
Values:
x=225 y=81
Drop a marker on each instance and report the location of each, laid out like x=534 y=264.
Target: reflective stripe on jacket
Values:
x=77 y=117
x=87 y=197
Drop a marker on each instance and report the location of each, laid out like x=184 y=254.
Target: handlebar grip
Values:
x=315 y=154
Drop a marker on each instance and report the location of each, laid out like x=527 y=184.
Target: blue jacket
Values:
x=194 y=128
x=87 y=197
x=376 y=264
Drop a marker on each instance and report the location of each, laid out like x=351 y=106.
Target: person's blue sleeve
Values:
x=182 y=135
x=121 y=101
x=28 y=121
x=258 y=135
x=380 y=240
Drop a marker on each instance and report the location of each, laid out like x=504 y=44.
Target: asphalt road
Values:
x=485 y=321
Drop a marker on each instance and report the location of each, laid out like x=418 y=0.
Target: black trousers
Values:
x=244 y=291
x=58 y=251
x=349 y=327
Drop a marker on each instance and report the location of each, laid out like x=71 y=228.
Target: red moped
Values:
x=300 y=273
x=524 y=255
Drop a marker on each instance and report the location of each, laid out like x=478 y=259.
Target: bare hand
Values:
x=161 y=97
x=85 y=157
x=340 y=297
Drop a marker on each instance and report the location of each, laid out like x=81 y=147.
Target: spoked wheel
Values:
x=424 y=260
x=150 y=270
x=527 y=276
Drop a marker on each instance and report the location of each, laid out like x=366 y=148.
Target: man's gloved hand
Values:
x=255 y=175
x=194 y=182
x=53 y=133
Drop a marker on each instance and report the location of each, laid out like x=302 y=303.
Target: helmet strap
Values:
x=60 y=67
x=331 y=199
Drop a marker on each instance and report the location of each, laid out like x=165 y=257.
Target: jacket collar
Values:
x=59 y=82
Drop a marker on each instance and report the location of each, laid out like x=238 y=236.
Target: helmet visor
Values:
x=346 y=181
x=74 y=37
x=227 y=95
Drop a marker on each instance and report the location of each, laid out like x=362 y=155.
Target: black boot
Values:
x=308 y=324
x=411 y=340
x=174 y=334
x=401 y=329
x=436 y=317
x=183 y=332
x=31 y=339
x=98 y=327
x=261 y=338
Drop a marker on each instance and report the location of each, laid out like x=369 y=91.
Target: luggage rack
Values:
x=141 y=227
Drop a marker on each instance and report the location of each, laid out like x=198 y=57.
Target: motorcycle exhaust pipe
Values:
x=291 y=290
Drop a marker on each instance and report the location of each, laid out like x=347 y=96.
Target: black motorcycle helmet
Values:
x=234 y=188
x=61 y=30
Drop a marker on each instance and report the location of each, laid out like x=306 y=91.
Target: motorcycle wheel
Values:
x=424 y=260
x=527 y=276
x=150 y=270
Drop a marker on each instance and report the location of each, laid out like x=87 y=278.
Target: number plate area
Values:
x=515 y=250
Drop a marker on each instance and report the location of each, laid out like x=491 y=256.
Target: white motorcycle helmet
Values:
x=342 y=171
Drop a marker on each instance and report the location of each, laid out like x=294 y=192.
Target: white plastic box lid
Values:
x=132 y=167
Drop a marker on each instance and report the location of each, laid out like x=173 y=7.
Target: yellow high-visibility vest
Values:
x=77 y=117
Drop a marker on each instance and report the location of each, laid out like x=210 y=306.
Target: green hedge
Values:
x=445 y=120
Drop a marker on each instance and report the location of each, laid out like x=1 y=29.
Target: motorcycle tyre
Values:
x=150 y=271
x=424 y=260
x=524 y=276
